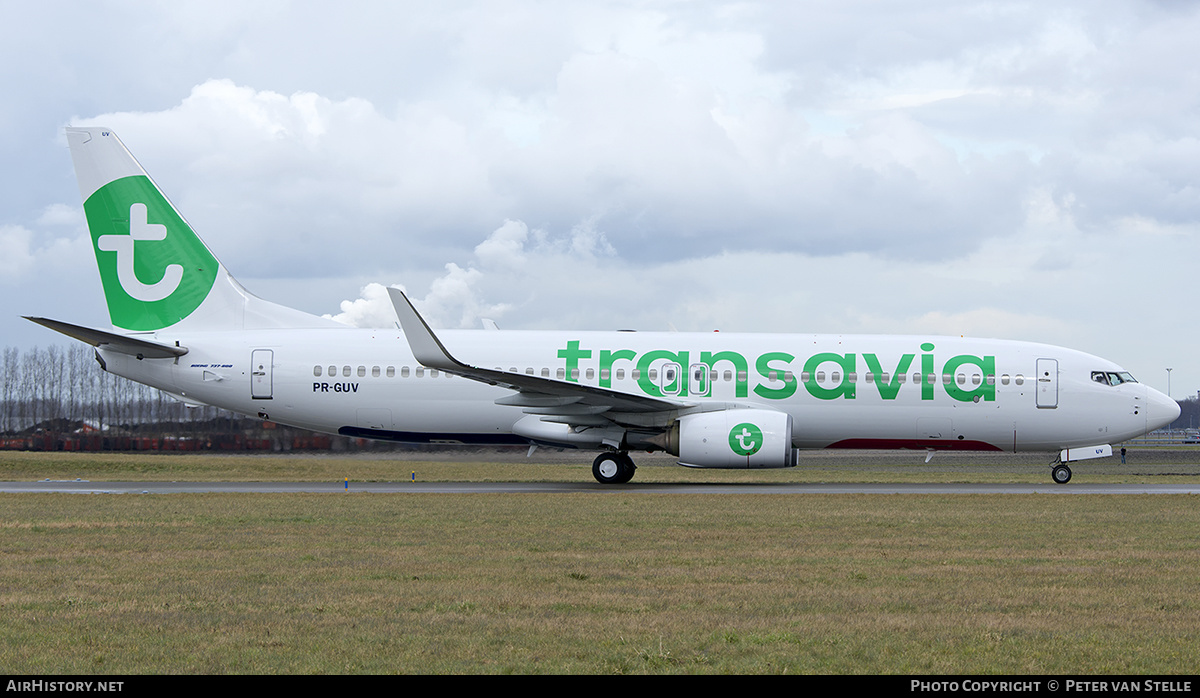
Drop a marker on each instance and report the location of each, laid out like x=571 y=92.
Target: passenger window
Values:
x=620 y=374
x=391 y=371
x=590 y=373
x=362 y=371
x=374 y=371
x=1004 y=379
x=728 y=375
x=332 y=371
x=420 y=372
x=545 y=373
x=1019 y=380
x=404 y=371
x=317 y=371
x=346 y=371
x=561 y=373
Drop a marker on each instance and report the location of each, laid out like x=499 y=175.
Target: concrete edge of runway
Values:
x=406 y=487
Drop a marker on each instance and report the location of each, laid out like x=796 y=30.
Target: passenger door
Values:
x=1047 y=383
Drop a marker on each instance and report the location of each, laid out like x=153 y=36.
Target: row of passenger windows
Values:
x=698 y=375
x=376 y=371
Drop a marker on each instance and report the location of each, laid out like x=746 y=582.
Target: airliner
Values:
x=182 y=324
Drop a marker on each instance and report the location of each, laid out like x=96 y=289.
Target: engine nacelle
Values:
x=748 y=438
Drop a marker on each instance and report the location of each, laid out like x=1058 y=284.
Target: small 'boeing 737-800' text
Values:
x=182 y=324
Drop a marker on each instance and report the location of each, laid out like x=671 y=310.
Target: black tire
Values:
x=1061 y=474
x=612 y=468
x=627 y=467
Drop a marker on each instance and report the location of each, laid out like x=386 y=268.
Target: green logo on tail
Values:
x=154 y=269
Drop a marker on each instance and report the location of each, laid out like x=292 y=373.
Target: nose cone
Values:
x=1160 y=410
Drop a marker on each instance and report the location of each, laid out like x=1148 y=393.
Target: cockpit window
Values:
x=1112 y=377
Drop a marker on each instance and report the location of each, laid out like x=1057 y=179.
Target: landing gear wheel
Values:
x=1061 y=474
x=627 y=468
x=613 y=468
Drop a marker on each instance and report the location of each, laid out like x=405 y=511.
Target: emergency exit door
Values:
x=261 y=374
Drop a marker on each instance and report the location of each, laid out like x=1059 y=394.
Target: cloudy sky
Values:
x=1026 y=171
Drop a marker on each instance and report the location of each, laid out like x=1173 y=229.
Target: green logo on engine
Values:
x=154 y=269
x=745 y=439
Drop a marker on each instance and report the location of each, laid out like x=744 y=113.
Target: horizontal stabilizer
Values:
x=141 y=348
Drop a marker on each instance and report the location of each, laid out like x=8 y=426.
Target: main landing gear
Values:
x=613 y=468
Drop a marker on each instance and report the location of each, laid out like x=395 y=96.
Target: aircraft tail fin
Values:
x=156 y=272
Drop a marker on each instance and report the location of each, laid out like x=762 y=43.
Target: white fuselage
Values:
x=841 y=391
x=182 y=323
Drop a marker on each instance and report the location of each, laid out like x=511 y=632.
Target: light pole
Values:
x=1170 y=438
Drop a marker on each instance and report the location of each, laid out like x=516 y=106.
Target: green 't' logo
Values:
x=154 y=269
x=745 y=439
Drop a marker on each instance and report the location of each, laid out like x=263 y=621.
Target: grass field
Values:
x=617 y=582
x=1145 y=465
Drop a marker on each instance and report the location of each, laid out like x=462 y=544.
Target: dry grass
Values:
x=618 y=583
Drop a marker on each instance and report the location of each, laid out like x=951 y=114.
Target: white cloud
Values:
x=30 y=254
x=372 y=309
x=15 y=254
x=56 y=215
x=505 y=247
x=818 y=167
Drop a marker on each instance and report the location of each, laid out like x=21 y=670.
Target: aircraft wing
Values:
x=555 y=400
x=141 y=348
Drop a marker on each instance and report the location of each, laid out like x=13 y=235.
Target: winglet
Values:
x=426 y=347
x=428 y=350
